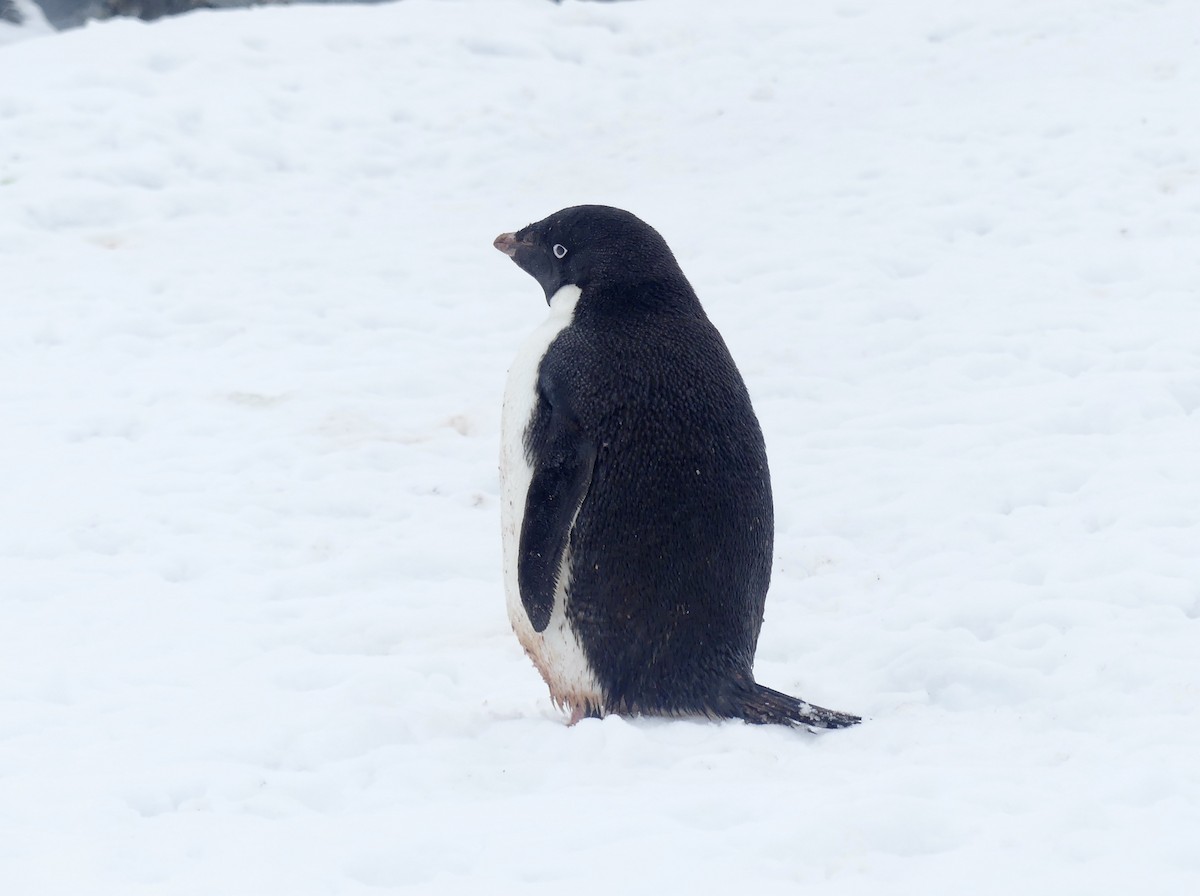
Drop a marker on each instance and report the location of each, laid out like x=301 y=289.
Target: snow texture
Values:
x=253 y=632
x=20 y=19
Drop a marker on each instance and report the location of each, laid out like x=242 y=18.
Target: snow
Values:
x=32 y=23
x=254 y=638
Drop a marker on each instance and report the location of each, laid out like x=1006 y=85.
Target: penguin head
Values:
x=597 y=248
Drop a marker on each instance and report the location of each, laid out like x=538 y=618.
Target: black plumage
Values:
x=649 y=507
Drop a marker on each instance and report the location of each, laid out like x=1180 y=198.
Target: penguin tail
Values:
x=763 y=706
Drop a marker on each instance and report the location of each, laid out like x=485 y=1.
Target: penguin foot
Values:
x=581 y=711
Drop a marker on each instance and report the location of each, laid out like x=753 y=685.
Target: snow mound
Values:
x=21 y=19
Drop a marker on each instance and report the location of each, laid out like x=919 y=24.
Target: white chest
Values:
x=555 y=651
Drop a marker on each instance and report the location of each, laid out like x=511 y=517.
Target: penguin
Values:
x=636 y=509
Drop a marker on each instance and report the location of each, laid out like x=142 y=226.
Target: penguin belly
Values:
x=555 y=651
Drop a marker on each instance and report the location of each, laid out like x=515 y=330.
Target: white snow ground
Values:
x=252 y=634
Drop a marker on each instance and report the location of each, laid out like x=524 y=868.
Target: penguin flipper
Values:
x=561 y=476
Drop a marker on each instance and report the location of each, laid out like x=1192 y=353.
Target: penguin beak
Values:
x=525 y=254
x=508 y=244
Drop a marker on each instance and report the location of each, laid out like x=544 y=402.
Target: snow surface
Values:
x=253 y=635
x=33 y=24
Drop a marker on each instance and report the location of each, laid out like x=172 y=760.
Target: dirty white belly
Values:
x=556 y=651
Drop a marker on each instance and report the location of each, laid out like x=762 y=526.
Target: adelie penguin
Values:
x=636 y=502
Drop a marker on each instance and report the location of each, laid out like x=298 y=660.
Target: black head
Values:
x=600 y=250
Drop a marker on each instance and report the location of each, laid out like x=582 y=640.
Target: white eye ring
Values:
x=559 y=250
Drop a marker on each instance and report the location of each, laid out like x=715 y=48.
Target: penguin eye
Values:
x=559 y=250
